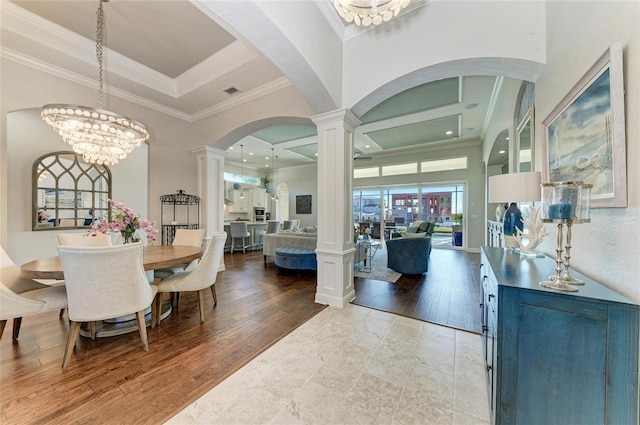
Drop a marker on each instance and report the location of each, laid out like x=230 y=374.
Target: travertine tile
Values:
x=436 y=352
x=354 y=366
x=468 y=345
x=470 y=388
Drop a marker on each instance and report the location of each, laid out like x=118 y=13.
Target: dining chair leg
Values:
x=74 y=331
x=3 y=323
x=154 y=312
x=92 y=330
x=142 y=327
x=201 y=304
x=213 y=293
x=16 y=328
x=158 y=302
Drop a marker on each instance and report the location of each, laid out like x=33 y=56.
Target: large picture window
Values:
x=69 y=193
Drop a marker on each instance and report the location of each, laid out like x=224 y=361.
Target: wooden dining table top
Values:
x=154 y=257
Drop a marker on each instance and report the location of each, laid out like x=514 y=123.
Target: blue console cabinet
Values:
x=556 y=357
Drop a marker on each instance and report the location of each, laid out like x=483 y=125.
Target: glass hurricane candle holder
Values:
x=565 y=203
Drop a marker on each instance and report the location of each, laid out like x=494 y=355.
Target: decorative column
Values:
x=335 y=249
x=210 y=188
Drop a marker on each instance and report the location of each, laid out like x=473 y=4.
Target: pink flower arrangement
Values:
x=126 y=221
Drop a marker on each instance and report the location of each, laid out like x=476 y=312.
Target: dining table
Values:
x=154 y=257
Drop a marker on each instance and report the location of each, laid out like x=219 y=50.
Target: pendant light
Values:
x=275 y=183
x=241 y=170
x=100 y=136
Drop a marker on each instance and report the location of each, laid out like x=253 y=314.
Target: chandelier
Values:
x=367 y=12
x=100 y=136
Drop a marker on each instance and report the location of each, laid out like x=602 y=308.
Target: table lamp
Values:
x=520 y=187
x=565 y=203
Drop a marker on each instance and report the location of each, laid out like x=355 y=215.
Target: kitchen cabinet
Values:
x=242 y=205
x=259 y=198
x=555 y=357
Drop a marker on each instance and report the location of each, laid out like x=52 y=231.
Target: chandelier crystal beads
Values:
x=100 y=136
x=367 y=12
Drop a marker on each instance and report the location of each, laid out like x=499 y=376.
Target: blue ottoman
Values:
x=296 y=258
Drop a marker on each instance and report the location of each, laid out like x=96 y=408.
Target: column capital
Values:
x=344 y=115
x=210 y=152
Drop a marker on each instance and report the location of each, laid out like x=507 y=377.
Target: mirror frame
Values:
x=40 y=167
x=527 y=119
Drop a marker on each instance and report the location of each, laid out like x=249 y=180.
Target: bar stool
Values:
x=239 y=230
x=272 y=227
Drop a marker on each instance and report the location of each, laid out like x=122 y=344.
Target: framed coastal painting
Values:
x=583 y=138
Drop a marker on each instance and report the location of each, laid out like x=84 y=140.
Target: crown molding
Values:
x=224 y=61
x=88 y=82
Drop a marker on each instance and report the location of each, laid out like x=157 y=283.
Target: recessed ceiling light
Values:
x=367 y=146
x=244 y=160
x=471 y=106
x=230 y=148
x=502 y=152
x=250 y=153
x=316 y=154
x=506 y=138
x=266 y=157
x=448 y=133
x=267 y=165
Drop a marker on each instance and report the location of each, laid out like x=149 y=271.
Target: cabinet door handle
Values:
x=489 y=368
x=484 y=328
x=491 y=296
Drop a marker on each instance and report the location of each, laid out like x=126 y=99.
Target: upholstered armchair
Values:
x=409 y=255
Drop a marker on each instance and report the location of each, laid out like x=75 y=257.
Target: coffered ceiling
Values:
x=179 y=58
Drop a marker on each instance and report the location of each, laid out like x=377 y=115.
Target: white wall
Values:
x=302 y=180
x=28 y=138
x=496 y=37
x=607 y=249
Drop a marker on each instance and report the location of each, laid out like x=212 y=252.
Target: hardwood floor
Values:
x=448 y=294
x=111 y=380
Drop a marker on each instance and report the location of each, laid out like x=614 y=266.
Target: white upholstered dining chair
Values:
x=103 y=283
x=21 y=297
x=84 y=239
x=184 y=237
x=201 y=278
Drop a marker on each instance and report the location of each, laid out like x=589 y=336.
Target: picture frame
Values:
x=303 y=204
x=583 y=138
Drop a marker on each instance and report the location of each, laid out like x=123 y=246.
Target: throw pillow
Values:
x=414 y=235
x=412 y=229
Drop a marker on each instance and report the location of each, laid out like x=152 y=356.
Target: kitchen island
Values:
x=254 y=227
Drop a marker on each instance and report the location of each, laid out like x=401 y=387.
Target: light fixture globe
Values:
x=100 y=136
x=367 y=12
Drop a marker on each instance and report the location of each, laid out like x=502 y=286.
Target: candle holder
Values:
x=565 y=203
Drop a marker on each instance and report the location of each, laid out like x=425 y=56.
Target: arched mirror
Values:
x=524 y=142
x=68 y=193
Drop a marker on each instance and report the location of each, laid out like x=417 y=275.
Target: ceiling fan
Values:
x=358 y=156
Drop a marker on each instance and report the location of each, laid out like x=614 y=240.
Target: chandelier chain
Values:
x=99 y=50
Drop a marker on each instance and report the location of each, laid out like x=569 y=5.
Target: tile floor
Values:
x=354 y=366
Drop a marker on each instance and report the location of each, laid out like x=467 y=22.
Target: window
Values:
x=359 y=173
x=443 y=165
x=68 y=192
x=399 y=169
x=233 y=177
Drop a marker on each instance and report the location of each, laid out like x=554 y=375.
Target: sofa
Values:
x=298 y=238
x=409 y=255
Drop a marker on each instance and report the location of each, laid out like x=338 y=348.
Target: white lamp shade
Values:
x=515 y=187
